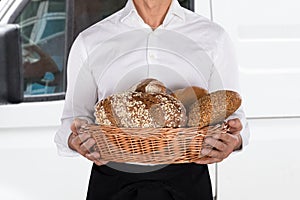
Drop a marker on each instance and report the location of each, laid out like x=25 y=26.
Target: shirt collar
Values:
x=174 y=10
x=128 y=10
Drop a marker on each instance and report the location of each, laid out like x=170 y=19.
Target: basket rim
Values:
x=135 y=145
x=210 y=127
x=154 y=132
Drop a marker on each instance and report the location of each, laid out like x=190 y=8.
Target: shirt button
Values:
x=152 y=56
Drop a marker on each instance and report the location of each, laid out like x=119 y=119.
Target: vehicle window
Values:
x=42 y=25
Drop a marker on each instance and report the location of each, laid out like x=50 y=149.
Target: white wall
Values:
x=30 y=168
x=266 y=35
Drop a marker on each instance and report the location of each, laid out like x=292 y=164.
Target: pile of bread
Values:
x=149 y=104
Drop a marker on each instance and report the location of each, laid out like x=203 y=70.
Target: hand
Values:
x=83 y=143
x=220 y=146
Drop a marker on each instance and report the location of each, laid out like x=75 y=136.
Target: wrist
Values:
x=239 y=144
x=71 y=136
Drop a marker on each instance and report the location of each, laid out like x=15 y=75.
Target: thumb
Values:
x=235 y=125
x=77 y=124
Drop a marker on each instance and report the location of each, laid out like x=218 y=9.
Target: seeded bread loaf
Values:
x=140 y=110
x=213 y=108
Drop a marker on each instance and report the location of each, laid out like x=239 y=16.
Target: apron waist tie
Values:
x=148 y=189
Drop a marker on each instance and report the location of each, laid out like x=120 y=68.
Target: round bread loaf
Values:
x=213 y=108
x=189 y=95
x=140 y=110
x=150 y=85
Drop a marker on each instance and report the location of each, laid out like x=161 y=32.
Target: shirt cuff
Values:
x=245 y=132
x=66 y=151
x=245 y=136
x=61 y=139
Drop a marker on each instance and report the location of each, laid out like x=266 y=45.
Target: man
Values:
x=160 y=39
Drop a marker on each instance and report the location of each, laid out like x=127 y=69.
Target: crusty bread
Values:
x=189 y=95
x=149 y=85
x=213 y=108
x=140 y=110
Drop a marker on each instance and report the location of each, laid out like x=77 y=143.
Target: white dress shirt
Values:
x=117 y=52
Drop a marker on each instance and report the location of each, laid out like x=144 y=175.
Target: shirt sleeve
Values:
x=81 y=95
x=225 y=75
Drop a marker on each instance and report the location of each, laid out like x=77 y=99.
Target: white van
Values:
x=32 y=85
x=267 y=40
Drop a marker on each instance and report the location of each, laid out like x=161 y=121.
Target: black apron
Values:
x=118 y=181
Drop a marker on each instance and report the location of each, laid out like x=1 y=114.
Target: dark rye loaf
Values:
x=189 y=95
x=150 y=85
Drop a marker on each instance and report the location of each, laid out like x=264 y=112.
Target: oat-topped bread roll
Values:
x=213 y=108
x=149 y=85
x=140 y=110
x=189 y=95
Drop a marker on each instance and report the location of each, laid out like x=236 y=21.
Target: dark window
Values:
x=87 y=12
x=42 y=26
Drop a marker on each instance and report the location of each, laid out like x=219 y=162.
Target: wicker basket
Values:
x=151 y=145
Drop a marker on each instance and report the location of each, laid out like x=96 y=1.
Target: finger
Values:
x=207 y=160
x=231 y=142
x=77 y=123
x=70 y=141
x=95 y=157
x=230 y=139
x=224 y=137
x=86 y=146
x=100 y=162
x=215 y=143
x=79 y=139
x=235 y=125
x=213 y=153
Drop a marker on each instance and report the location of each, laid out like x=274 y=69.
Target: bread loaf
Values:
x=189 y=95
x=140 y=110
x=150 y=85
x=213 y=108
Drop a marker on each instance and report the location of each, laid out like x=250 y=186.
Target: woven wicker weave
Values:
x=151 y=145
